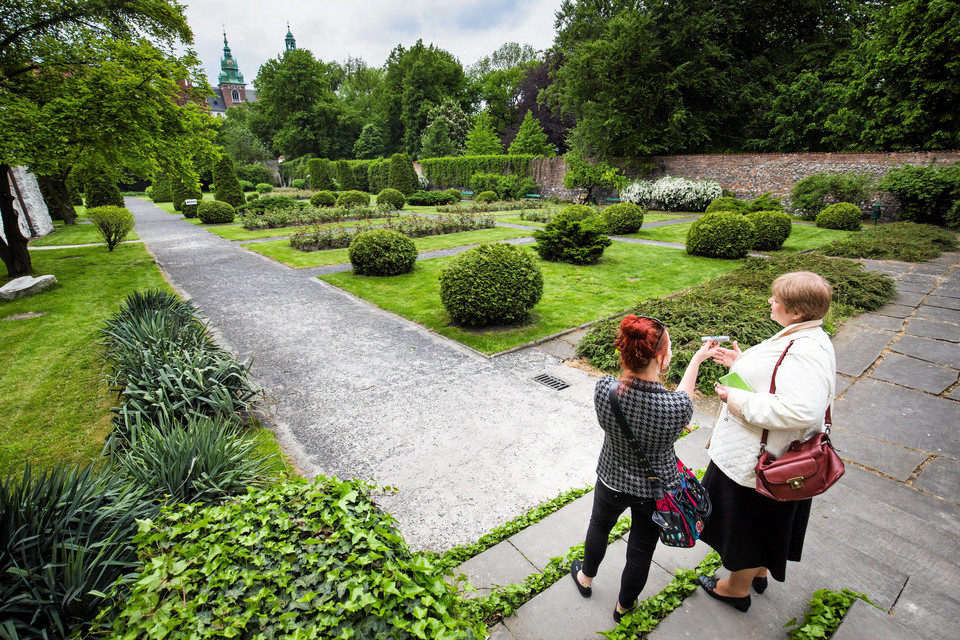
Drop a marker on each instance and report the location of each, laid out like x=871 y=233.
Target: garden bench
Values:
x=533 y=196
x=612 y=200
x=467 y=195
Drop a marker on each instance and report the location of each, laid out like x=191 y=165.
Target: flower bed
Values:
x=487 y=207
x=296 y=216
x=316 y=237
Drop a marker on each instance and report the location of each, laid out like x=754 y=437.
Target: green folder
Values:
x=734 y=380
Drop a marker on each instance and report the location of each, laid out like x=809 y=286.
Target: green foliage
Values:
x=482 y=139
x=906 y=241
x=456 y=172
x=378 y=175
x=811 y=195
x=246 y=185
x=382 y=252
x=457 y=195
x=585 y=175
x=255 y=173
x=728 y=204
x=391 y=198
x=509 y=187
x=261 y=204
x=623 y=218
x=432 y=198
x=323 y=199
x=263 y=187
x=361 y=176
x=772 y=228
x=298 y=183
x=162 y=188
x=320 y=179
x=766 y=202
x=842 y=215
x=225 y=183
x=370 y=144
x=252 y=196
x=353 y=199
x=926 y=194
x=112 y=223
x=480 y=181
x=345 y=176
x=825 y=613
x=436 y=142
x=491 y=284
x=531 y=139
x=487 y=196
x=186 y=189
x=403 y=178
x=576 y=235
x=721 y=234
x=736 y=305
x=216 y=212
x=102 y=192
x=64 y=542
x=317 y=237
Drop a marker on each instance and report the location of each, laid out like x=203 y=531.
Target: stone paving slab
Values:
x=878 y=321
x=500 y=632
x=559 y=348
x=938 y=351
x=891 y=267
x=895 y=461
x=914 y=373
x=929 y=312
x=942 y=477
x=911 y=418
x=944 y=302
x=554 y=535
x=955 y=394
x=843 y=383
x=933 y=329
x=863 y=621
x=895 y=310
x=928 y=609
x=501 y=564
x=930 y=269
x=908 y=298
x=916 y=285
x=858 y=347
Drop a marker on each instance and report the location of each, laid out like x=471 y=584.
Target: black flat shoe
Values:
x=709 y=583
x=759 y=584
x=586 y=592
x=618 y=615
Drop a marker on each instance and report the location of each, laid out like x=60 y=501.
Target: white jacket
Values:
x=806 y=384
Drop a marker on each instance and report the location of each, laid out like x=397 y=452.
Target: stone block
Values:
x=933 y=329
x=554 y=535
x=26 y=286
x=501 y=564
x=559 y=348
x=929 y=312
x=858 y=347
x=941 y=477
x=879 y=321
x=945 y=302
x=914 y=373
x=908 y=298
x=917 y=285
x=895 y=310
x=864 y=621
x=889 y=459
x=843 y=383
x=937 y=351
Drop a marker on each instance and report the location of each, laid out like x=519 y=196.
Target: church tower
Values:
x=231 y=84
x=291 y=43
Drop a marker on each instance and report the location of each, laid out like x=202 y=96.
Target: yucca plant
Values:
x=200 y=460
x=65 y=540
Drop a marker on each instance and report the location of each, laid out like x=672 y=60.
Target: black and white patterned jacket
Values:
x=656 y=416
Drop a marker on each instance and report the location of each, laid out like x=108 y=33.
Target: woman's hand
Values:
x=709 y=349
x=721 y=391
x=726 y=357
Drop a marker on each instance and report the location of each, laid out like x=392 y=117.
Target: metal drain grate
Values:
x=550 y=381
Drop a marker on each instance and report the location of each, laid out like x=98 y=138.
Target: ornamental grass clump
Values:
x=382 y=252
x=112 y=223
x=576 y=235
x=721 y=234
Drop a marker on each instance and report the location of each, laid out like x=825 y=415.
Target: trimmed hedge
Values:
x=728 y=204
x=458 y=195
x=102 y=192
x=162 y=190
x=491 y=284
x=382 y=252
x=353 y=199
x=623 y=218
x=721 y=234
x=266 y=203
x=391 y=198
x=842 y=216
x=320 y=179
x=323 y=199
x=456 y=172
x=298 y=183
x=431 y=198
x=214 y=212
x=772 y=229
x=225 y=183
x=263 y=187
x=487 y=196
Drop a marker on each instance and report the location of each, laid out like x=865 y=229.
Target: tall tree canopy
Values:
x=497 y=78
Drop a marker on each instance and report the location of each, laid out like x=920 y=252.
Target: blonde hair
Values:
x=803 y=292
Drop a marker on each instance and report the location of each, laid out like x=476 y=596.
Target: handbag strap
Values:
x=773 y=389
x=645 y=465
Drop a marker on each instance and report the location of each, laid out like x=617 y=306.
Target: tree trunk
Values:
x=58 y=199
x=14 y=252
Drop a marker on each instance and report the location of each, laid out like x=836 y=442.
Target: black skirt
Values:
x=751 y=530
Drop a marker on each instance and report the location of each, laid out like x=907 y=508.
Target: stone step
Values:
x=864 y=622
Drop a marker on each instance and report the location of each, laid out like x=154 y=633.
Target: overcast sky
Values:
x=368 y=29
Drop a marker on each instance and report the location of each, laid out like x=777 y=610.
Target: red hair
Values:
x=637 y=342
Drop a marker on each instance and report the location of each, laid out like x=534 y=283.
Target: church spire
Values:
x=229 y=71
x=290 y=42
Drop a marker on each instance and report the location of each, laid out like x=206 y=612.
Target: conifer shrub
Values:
x=252 y=196
x=623 y=218
x=183 y=192
x=487 y=196
x=431 y=198
x=112 y=223
x=345 y=177
x=576 y=235
x=320 y=178
x=102 y=192
x=391 y=199
x=457 y=195
x=843 y=216
x=353 y=199
x=382 y=252
x=721 y=234
x=162 y=190
x=298 y=183
x=491 y=284
x=378 y=175
x=246 y=185
x=263 y=187
x=225 y=182
x=402 y=175
x=261 y=204
x=772 y=229
x=323 y=199
x=906 y=241
x=728 y=204
x=215 y=212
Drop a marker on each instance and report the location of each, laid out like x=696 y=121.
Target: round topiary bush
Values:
x=491 y=284
x=391 y=198
x=353 y=198
x=298 y=183
x=843 y=216
x=323 y=199
x=215 y=212
x=263 y=187
x=576 y=235
x=772 y=229
x=252 y=196
x=246 y=185
x=579 y=212
x=721 y=234
x=458 y=195
x=382 y=252
x=728 y=204
x=623 y=218
x=487 y=196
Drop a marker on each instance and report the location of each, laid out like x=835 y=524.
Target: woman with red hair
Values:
x=657 y=417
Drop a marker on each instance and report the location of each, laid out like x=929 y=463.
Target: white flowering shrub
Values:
x=637 y=193
x=680 y=194
x=424 y=183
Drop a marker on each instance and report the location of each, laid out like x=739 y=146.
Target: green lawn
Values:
x=54 y=403
x=515 y=219
x=572 y=295
x=666 y=233
x=237 y=232
x=73 y=234
x=281 y=251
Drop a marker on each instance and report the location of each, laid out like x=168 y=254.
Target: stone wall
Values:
x=35 y=220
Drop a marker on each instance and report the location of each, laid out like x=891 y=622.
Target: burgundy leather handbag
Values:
x=808 y=468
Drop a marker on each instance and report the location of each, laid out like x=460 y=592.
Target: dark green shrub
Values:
x=487 y=196
x=728 y=204
x=843 y=216
x=574 y=235
x=766 y=202
x=721 y=234
x=952 y=219
x=225 y=183
x=772 y=229
x=162 y=190
x=431 y=198
x=926 y=194
x=65 y=539
x=391 y=198
x=623 y=218
x=320 y=178
x=491 y=284
x=345 y=176
x=360 y=176
x=298 y=183
x=263 y=187
x=906 y=241
x=147 y=192
x=353 y=199
x=256 y=173
x=267 y=203
x=810 y=195
x=382 y=252
x=214 y=212
x=112 y=223
x=252 y=196
x=102 y=192
x=402 y=175
x=182 y=192
x=480 y=181
x=457 y=195
x=457 y=171
x=323 y=199
x=378 y=175
x=246 y=185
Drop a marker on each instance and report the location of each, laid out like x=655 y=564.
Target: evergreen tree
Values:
x=436 y=141
x=531 y=139
x=162 y=188
x=225 y=182
x=320 y=179
x=483 y=140
x=186 y=189
x=403 y=178
x=370 y=143
x=102 y=192
x=345 y=176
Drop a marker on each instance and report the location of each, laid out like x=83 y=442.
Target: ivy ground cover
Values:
x=572 y=295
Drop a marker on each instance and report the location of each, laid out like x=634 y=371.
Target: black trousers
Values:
x=644 y=534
